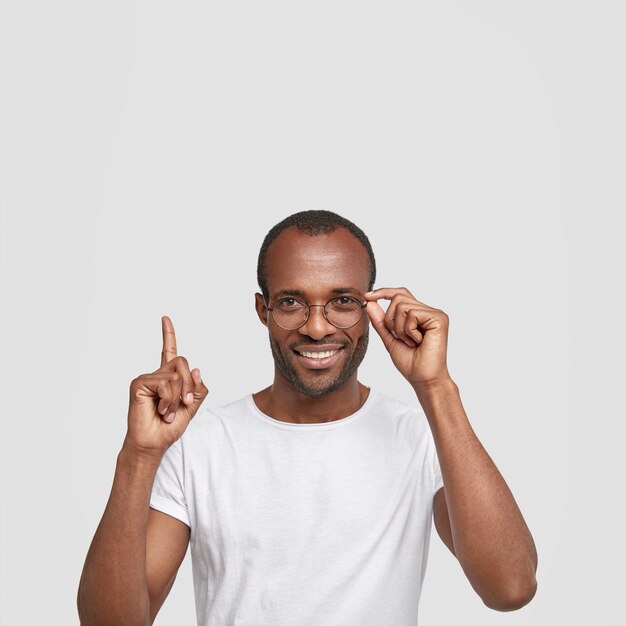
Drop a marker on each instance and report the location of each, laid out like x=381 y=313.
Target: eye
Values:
x=287 y=304
x=344 y=304
x=345 y=301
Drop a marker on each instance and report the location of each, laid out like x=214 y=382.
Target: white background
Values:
x=147 y=147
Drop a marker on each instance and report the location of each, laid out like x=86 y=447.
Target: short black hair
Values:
x=313 y=223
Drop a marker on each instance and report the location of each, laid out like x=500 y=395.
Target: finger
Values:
x=180 y=365
x=197 y=378
x=200 y=391
x=176 y=385
x=399 y=323
x=394 y=300
x=377 y=317
x=165 y=396
x=394 y=318
x=401 y=300
x=411 y=327
x=387 y=293
x=169 y=341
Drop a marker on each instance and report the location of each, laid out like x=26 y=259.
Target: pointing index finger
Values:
x=169 y=341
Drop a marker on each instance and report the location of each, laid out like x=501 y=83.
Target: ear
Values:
x=261 y=308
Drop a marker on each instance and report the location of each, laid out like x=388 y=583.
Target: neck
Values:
x=282 y=402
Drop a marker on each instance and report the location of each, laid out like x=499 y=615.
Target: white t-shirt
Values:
x=322 y=524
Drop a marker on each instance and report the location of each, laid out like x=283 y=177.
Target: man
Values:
x=309 y=502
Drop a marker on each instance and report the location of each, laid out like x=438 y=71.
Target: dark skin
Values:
x=136 y=552
x=296 y=265
x=475 y=513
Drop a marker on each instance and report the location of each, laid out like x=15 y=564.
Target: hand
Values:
x=415 y=335
x=162 y=403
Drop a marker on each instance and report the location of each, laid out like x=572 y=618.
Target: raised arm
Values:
x=136 y=551
x=475 y=513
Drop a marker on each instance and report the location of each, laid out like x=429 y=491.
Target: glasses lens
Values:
x=344 y=311
x=289 y=313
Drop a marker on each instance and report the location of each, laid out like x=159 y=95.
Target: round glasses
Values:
x=341 y=312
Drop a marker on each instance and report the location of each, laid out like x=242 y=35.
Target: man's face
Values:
x=316 y=269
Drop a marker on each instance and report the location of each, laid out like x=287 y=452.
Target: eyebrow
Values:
x=298 y=292
x=288 y=292
x=345 y=290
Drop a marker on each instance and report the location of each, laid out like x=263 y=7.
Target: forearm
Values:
x=113 y=588
x=490 y=537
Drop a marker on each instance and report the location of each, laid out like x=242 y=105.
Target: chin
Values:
x=325 y=384
x=315 y=392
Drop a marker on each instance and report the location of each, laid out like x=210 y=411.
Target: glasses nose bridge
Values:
x=324 y=314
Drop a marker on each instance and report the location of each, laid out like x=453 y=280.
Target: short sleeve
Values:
x=168 y=490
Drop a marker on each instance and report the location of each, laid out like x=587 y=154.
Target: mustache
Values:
x=317 y=344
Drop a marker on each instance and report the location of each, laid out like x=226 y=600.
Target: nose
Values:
x=317 y=326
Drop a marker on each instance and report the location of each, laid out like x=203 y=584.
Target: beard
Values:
x=323 y=384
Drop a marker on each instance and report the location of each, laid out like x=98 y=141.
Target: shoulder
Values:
x=216 y=418
x=403 y=416
x=393 y=407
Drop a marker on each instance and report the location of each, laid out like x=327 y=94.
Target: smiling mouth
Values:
x=317 y=355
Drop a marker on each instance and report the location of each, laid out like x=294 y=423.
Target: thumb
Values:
x=200 y=391
x=377 y=316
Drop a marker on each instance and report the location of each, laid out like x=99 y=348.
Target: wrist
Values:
x=436 y=387
x=441 y=402
x=138 y=459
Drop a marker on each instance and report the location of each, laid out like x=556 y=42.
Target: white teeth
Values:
x=319 y=355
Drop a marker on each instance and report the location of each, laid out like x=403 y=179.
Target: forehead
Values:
x=316 y=265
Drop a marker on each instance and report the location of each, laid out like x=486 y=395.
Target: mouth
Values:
x=317 y=355
x=318 y=359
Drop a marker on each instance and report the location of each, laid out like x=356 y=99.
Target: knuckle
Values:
x=135 y=386
x=163 y=391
